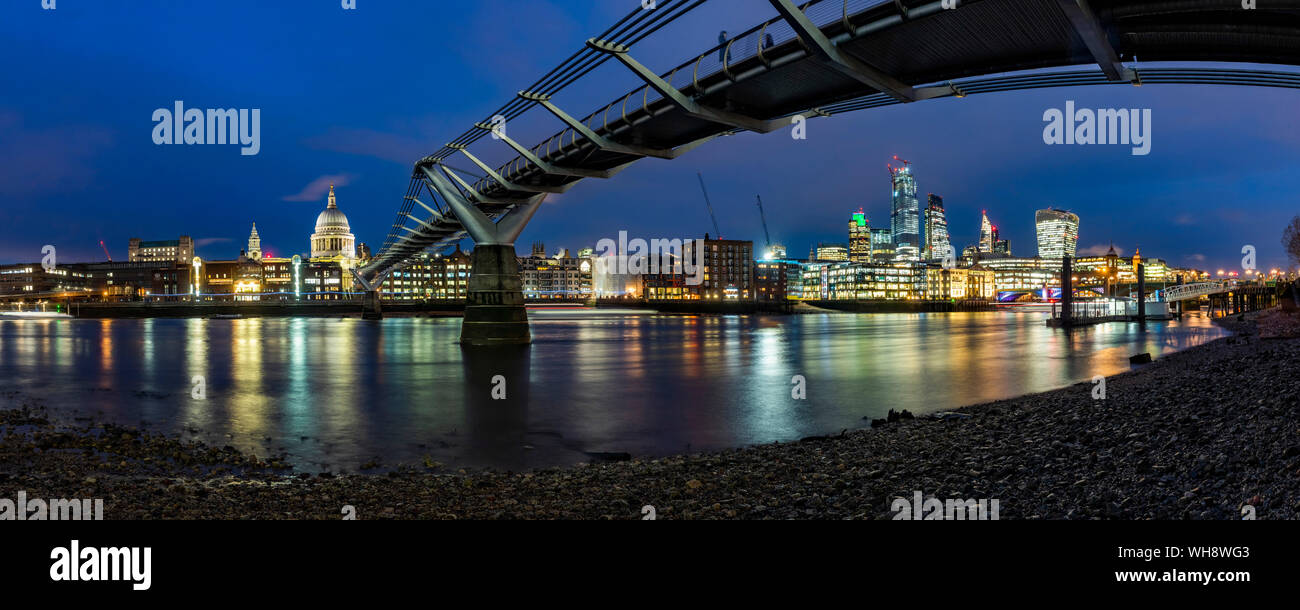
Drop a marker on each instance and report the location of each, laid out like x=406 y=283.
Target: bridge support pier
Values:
x=494 y=312
x=370 y=297
x=1067 y=293
x=370 y=308
x=1142 y=296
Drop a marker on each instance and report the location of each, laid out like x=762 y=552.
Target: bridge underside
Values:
x=828 y=58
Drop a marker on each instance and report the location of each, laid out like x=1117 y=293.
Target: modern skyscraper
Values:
x=905 y=215
x=937 y=245
x=986 y=233
x=1058 y=233
x=859 y=238
x=1000 y=246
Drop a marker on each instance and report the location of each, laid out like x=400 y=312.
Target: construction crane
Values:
x=893 y=170
x=110 y=256
x=762 y=216
x=717 y=232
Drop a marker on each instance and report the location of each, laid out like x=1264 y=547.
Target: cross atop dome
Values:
x=332 y=204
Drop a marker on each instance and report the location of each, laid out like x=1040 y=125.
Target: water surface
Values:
x=336 y=393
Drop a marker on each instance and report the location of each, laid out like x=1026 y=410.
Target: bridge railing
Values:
x=719 y=59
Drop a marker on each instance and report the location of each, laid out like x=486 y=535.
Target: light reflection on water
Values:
x=336 y=393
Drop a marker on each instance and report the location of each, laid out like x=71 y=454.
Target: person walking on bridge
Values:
x=722 y=49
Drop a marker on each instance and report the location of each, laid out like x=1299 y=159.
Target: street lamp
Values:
x=297 y=282
x=194 y=281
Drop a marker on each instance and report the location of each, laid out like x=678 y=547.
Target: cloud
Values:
x=1099 y=250
x=208 y=241
x=318 y=188
x=1200 y=258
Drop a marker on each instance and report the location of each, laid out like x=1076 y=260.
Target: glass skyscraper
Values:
x=1058 y=233
x=986 y=233
x=905 y=216
x=937 y=245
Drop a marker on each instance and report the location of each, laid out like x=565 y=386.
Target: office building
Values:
x=1058 y=233
x=905 y=215
x=859 y=238
x=179 y=251
x=937 y=245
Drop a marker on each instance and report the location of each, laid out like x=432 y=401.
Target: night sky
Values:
x=355 y=97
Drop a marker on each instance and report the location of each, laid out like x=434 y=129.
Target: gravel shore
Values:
x=1196 y=435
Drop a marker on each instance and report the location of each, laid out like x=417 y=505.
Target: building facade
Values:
x=937 y=244
x=333 y=239
x=905 y=215
x=1058 y=233
x=179 y=251
x=561 y=277
x=882 y=246
x=859 y=238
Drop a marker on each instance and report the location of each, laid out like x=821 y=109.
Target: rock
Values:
x=1143 y=358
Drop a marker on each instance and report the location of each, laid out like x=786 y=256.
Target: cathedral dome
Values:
x=332 y=220
x=333 y=238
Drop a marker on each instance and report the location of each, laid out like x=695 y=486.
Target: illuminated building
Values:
x=558 y=277
x=863 y=281
x=859 y=237
x=832 y=253
x=333 y=240
x=905 y=215
x=1001 y=247
x=323 y=281
x=277 y=276
x=959 y=283
x=254 y=244
x=772 y=280
x=430 y=276
x=728 y=268
x=32 y=278
x=937 y=245
x=179 y=251
x=986 y=233
x=1023 y=274
x=1058 y=233
x=882 y=245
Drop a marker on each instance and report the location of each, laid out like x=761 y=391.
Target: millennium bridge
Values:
x=812 y=60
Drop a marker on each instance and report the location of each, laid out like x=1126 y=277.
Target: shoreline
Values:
x=1197 y=434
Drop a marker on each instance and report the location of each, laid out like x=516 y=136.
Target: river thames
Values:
x=336 y=393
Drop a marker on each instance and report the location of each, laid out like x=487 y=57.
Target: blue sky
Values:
x=356 y=96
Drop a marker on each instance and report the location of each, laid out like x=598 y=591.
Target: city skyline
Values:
x=74 y=178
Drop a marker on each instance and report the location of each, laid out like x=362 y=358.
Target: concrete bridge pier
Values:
x=494 y=309
x=1067 y=293
x=371 y=308
x=1142 y=296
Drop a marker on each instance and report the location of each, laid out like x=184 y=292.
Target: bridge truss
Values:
x=819 y=59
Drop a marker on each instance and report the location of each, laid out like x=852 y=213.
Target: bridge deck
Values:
x=927 y=46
